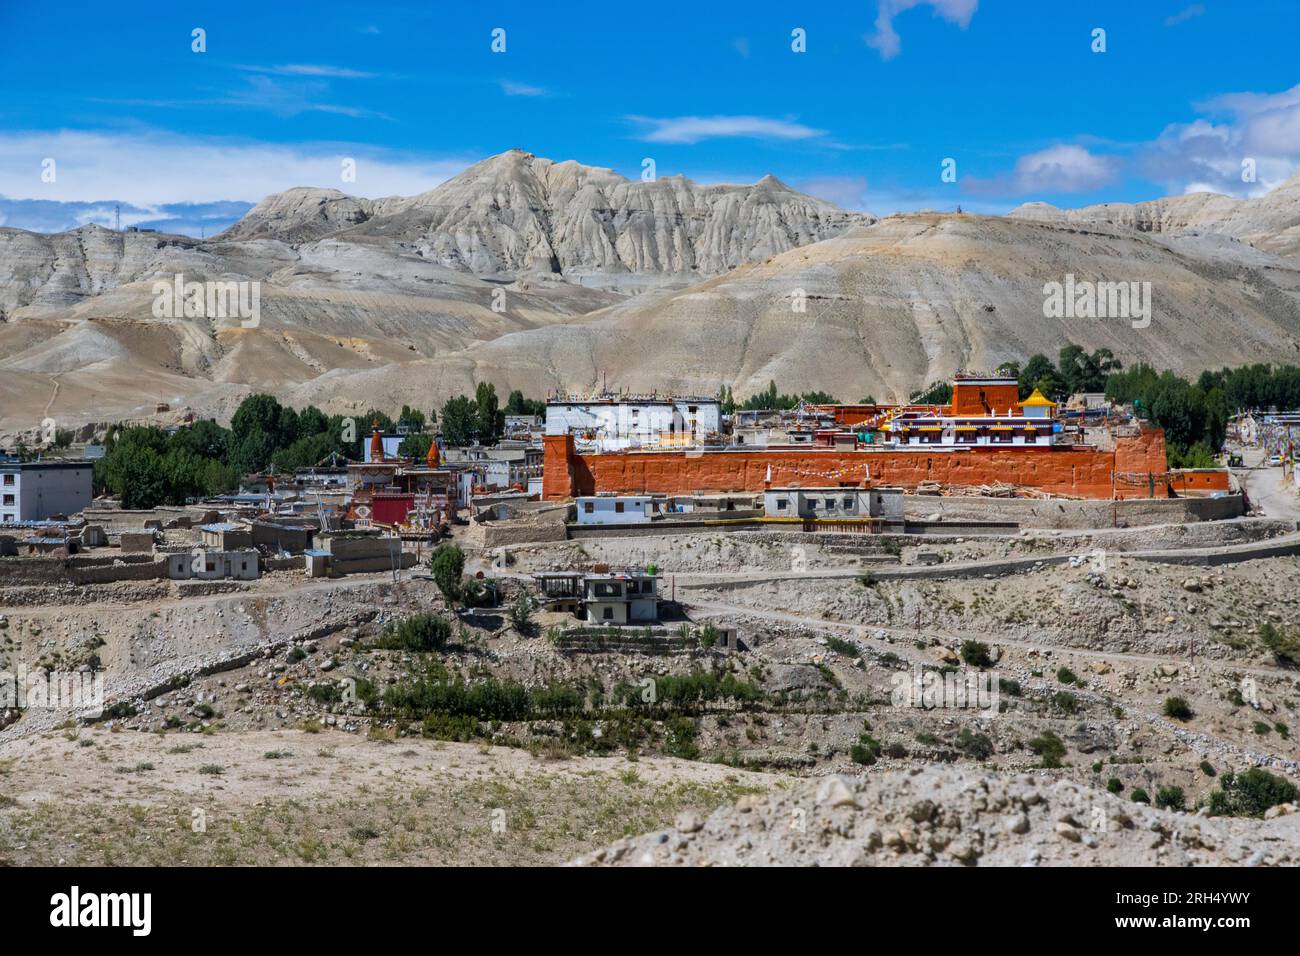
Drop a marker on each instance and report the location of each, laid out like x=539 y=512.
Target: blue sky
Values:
x=885 y=92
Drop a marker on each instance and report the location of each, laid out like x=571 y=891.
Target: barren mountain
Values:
x=907 y=300
x=350 y=285
x=516 y=213
x=519 y=271
x=1270 y=222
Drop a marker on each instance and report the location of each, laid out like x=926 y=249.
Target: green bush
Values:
x=1171 y=798
x=521 y=614
x=1065 y=702
x=1050 y=749
x=1207 y=768
x=975 y=745
x=1114 y=785
x=976 y=654
x=420 y=632
x=447 y=565
x=1067 y=676
x=840 y=646
x=1139 y=796
x=1250 y=793
x=866 y=751
x=1285 y=647
x=1177 y=708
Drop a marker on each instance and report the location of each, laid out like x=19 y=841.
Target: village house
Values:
x=39 y=490
x=602 y=597
x=834 y=503
x=210 y=565
x=617 y=422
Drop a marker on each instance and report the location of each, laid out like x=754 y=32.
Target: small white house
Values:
x=625 y=598
x=833 y=503
x=209 y=565
x=620 y=509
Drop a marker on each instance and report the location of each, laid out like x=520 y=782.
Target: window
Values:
x=607 y=613
x=781 y=504
x=618 y=507
x=9 y=499
x=9 y=479
x=588 y=507
x=9 y=517
x=848 y=504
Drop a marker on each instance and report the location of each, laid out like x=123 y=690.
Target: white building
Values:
x=620 y=509
x=834 y=503
x=210 y=565
x=625 y=598
x=38 y=490
x=616 y=423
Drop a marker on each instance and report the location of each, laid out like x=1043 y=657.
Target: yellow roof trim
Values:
x=1038 y=399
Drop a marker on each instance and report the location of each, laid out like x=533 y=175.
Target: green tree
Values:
x=415 y=445
x=490 y=420
x=447 y=565
x=143 y=480
x=459 y=421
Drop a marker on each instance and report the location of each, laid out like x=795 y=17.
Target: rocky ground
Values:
x=953 y=817
x=241 y=703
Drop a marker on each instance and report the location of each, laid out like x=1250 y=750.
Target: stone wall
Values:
x=1066 y=513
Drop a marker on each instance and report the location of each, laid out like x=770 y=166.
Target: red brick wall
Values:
x=1136 y=469
x=966 y=399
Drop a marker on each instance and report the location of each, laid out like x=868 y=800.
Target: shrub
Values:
x=1050 y=748
x=1009 y=687
x=521 y=614
x=1177 y=708
x=1067 y=676
x=976 y=654
x=1065 y=702
x=1114 y=785
x=840 y=646
x=1262 y=728
x=419 y=632
x=1207 y=768
x=447 y=565
x=1285 y=647
x=974 y=745
x=1249 y=794
x=866 y=751
x=1139 y=796
x=1171 y=798
x=325 y=693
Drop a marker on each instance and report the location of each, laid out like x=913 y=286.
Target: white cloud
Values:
x=1063 y=168
x=1182 y=16
x=312 y=69
x=150 y=170
x=510 y=88
x=1207 y=153
x=693 y=129
x=886 y=38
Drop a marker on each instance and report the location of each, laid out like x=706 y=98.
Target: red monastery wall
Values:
x=1136 y=469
